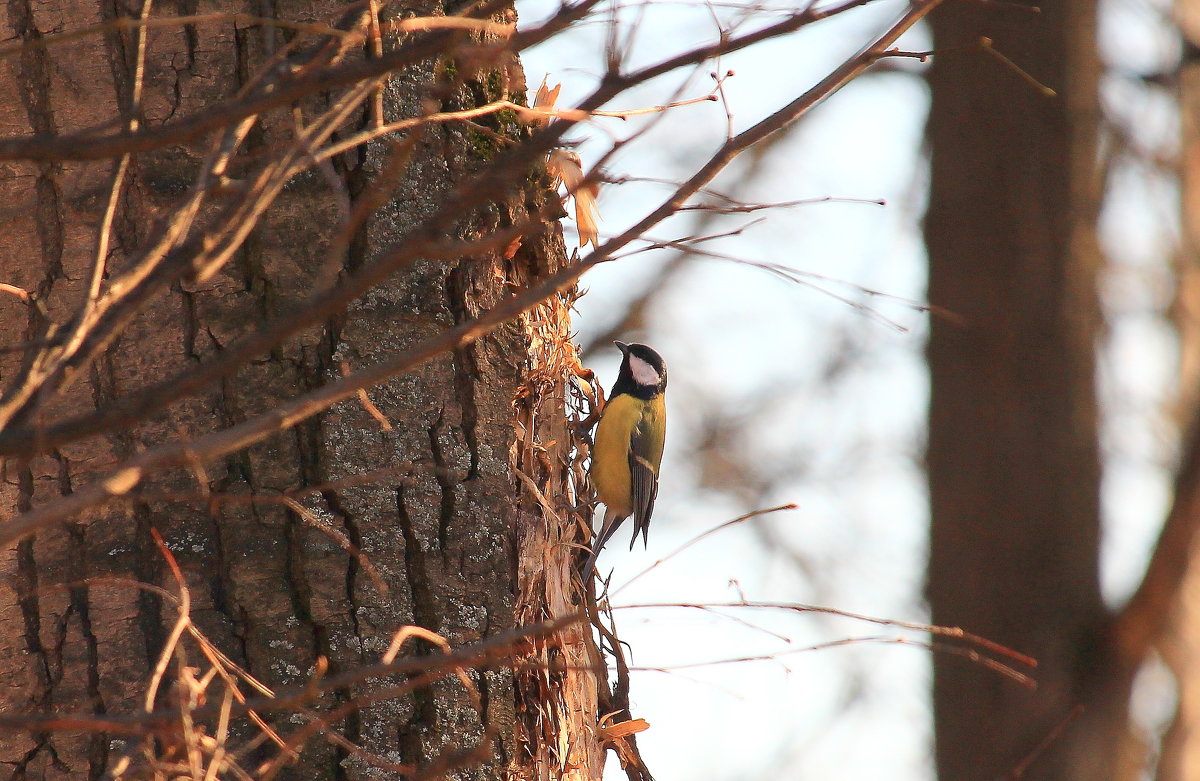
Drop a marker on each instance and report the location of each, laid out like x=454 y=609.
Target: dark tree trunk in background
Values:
x=273 y=587
x=1181 y=648
x=1013 y=451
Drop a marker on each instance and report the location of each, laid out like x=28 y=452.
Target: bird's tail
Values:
x=612 y=522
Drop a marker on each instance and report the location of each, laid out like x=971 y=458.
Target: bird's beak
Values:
x=624 y=348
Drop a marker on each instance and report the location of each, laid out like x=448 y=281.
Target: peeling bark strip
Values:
x=557 y=691
x=424 y=524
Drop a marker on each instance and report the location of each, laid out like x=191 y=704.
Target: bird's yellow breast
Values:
x=623 y=416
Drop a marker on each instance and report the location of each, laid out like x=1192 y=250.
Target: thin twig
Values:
x=702 y=536
x=180 y=626
x=951 y=632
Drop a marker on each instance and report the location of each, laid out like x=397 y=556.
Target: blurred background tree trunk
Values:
x=290 y=554
x=1180 y=649
x=1013 y=455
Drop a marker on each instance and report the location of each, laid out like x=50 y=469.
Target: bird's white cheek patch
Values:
x=643 y=373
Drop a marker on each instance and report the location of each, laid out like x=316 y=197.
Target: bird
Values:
x=629 y=445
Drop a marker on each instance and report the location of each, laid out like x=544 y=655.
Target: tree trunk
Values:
x=1180 y=759
x=1013 y=457
x=319 y=542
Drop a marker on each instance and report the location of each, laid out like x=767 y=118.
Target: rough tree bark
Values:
x=290 y=554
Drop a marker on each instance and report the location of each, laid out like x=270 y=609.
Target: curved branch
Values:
x=1143 y=620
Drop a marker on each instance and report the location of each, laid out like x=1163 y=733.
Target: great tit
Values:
x=629 y=445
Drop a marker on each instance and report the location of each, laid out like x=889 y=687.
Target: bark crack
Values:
x=244 y=71
x=308 y=438
x=466 y=374
x=222 y=587
x=424 y=716
x=33 y=71
x=147 y=568
x=424 y=610
x=190 y=323
x=300 y=592
x=257 y=281
x=43 y=744
x=80 y=606
x=350 y=524
x=190 y=38
x=442 y=472
x=27 y=595
x=120 y=57
x=466 y=368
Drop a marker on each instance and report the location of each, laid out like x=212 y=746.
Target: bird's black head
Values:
x=643 y=372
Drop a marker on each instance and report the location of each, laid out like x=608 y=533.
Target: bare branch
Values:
x=288 y=414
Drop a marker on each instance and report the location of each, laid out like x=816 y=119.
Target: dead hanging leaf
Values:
x=511 y=249
x=587 y=214
x=567 y=169
x=542 y=112
x=544 y=101
x=565 y=166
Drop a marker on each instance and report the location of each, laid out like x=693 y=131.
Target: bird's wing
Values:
x=645 y=455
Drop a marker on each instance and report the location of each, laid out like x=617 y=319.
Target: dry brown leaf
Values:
x=544 y=101
x=566 y=168
x=587 y=214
